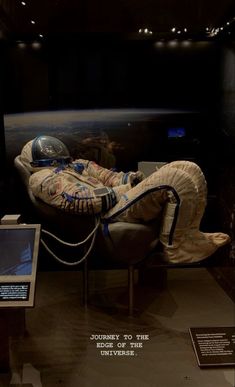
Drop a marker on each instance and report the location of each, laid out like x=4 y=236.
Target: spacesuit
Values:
x=176 y=194
x=79 y=186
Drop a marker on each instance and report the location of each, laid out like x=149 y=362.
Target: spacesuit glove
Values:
x=136 y=177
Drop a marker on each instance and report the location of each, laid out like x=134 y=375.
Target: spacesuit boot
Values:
x=190 y=244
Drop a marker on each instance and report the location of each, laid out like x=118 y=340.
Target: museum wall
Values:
x=228 y=90
x=2 y=137
x=226 y=158
x=107 y=73
x=26 y=78
x=2 y=133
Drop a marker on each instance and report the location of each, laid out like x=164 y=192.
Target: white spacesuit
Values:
x=176 y=193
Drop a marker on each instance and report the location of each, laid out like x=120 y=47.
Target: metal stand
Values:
x=131 y=289
x=85 y=284
x=12 y=324
x=5 y=345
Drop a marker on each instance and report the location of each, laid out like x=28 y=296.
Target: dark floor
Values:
x=58 y=351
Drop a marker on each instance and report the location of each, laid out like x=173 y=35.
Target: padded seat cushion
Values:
x=127 y=242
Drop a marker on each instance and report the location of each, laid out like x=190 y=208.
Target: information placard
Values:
x=214 y=346
x=12 y=291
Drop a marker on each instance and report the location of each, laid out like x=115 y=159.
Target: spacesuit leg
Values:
x=147 y=200
x=199 y=180
x=176 y=194
x=195 y=245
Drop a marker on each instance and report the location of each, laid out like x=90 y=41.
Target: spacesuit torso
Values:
x=81 y=186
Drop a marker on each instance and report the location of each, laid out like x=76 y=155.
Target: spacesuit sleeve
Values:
x=109 y=177
x=57 y=191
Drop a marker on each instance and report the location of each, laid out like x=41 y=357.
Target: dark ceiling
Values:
x=127 y=17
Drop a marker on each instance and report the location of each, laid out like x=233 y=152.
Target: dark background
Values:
x=116 y=73
x=89 y=73
x=191 y=79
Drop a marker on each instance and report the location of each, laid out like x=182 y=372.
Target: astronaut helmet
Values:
x=45 y=152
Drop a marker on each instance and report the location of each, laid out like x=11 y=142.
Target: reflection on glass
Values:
x=16 y=247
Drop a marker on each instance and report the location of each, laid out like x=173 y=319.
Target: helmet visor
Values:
x=47 y=148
